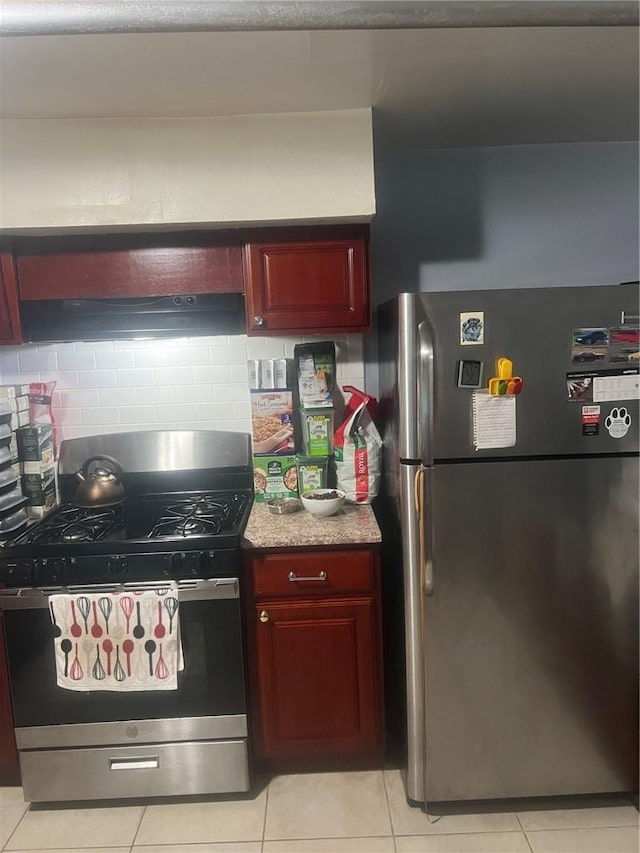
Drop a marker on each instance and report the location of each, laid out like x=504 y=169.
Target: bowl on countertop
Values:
x=283 y=506
x=323 y=502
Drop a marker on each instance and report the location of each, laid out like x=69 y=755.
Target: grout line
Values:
x=386 y=797
x=264 y=820
x=135 y=834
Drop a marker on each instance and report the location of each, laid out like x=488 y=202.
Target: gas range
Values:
x=173 y=524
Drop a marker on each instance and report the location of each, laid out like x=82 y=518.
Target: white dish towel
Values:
x=120 y=641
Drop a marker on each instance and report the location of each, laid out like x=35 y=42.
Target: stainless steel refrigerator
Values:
x=514 y=532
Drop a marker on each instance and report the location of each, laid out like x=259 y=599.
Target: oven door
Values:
x=211 y=686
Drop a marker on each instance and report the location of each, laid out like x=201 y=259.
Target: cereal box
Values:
x=275 y=477
x=272 y=422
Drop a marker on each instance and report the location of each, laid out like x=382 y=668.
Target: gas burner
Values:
x=75 y=533
x=185 y=526
x=72 y=524
x=198 y=508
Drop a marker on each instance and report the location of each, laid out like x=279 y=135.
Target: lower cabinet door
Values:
x=318 y=678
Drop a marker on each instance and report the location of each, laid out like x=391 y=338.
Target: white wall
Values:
x=188 y=383
x=101 y=173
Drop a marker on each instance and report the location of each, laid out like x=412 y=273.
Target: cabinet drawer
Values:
x=315 y=573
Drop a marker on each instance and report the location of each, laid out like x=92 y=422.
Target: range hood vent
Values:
x=178 y=316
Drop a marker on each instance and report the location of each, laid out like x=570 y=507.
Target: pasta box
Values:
x=275 y=477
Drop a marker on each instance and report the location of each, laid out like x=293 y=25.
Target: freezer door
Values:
x=530 y=647
x=536 y=330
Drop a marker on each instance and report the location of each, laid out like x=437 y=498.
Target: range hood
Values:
x=182 y=315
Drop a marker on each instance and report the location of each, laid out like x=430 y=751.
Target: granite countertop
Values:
x=351 y=525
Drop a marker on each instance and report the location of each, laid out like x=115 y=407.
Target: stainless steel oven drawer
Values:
x=160 y=770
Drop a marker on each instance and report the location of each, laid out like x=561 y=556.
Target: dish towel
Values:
x=120 y=641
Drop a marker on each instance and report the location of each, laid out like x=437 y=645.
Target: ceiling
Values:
x=444 y=87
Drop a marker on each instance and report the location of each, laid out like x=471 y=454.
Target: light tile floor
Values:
x=359 y=812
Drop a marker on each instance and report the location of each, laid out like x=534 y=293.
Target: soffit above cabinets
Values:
x=428 y=87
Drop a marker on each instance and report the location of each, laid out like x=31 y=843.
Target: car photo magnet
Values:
x=591 y=420
x=471 y=327
x=618 y=422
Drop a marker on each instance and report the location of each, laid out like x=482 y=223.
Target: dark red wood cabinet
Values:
x=9 y=770
x=315 y=659
x=307 y=281
x=9 y=313
x=126 y=265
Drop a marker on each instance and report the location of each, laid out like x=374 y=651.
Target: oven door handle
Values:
x=31 y=598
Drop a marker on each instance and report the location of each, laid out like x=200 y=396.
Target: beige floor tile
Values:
x=70 y=829
x=619 y=839
x=327 y=805
x=411 y=820
x=10 y=817
x=470 y=842
x=582 y=814
x=331 y=845
x=223 y=847
x=10 y=797
x=199 y=823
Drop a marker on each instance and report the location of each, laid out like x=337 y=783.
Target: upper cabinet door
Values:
x=308 y=281
x=9 y=313
x=103 y=266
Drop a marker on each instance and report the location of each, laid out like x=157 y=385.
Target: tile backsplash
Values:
x=185 y=383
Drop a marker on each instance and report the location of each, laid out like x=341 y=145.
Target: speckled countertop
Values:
x=351 y=525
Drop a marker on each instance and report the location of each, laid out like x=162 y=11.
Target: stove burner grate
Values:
x=73 y=524
x=202 y=516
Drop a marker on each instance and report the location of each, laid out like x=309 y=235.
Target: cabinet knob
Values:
x=258 y=321
x=264 y=616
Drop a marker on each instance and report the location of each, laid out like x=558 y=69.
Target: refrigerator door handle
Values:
x=421 y=484
x=426 y=391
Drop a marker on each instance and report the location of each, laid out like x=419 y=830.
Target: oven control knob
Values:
x=189 y=564
x=118 y=566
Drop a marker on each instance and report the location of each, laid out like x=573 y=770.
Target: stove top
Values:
x=180 y=519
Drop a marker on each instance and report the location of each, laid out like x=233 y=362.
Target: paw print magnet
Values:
x=618 y=422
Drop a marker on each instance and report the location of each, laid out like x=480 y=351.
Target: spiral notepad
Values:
x=494 y=421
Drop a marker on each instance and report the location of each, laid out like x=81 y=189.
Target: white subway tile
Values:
x=231 y=353
x=232 y=425
x=229 y=393
x=67 y=415
x=194 y=393
x=138 y=414
x=92 y=346
x=117 y=360
x=101 y=415
x=239 y=373
x=265 y=348
x=79 y=399
x=140 y=344
x=211 y=375
x=135 y=377
x=154 y=357
x=156 y=394
x=68 y=379
x=97 y=378
x=77 y=431
x=77 y=360
x=9 y=363
x=177 y=412
x=241 y=410
x=118 y=396
x=31 y=360
x=174 y=375
x=211 y=411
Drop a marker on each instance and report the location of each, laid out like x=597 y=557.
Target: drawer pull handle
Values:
x=151 y=763
x=264 y=616
x=321 y=576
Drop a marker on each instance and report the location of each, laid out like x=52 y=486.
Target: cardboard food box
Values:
x=317 y=432
x=272 y=428
x=40 y=491
x=275 y=477
x=313 y=473
x=35 y=444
